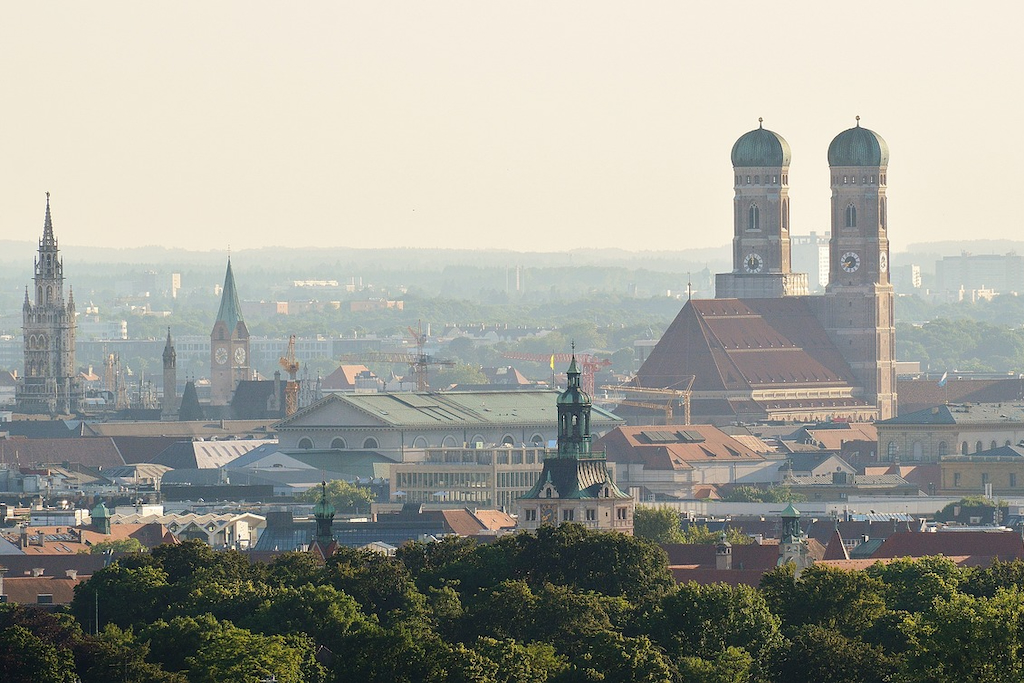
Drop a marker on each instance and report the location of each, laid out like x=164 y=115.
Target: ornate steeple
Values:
x=574 y=407
x=50 y=383
x=323 y=512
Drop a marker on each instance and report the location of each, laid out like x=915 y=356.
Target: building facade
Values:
x=575 y=484
x=50 y=383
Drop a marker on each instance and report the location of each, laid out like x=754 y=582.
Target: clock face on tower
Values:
x=850 y=261
x=753 y=263
x=883 y=262
x=221 y=356
x=240 y=356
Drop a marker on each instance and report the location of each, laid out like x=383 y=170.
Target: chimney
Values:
x=3 y=596
x=72 y=574
x=37 y=571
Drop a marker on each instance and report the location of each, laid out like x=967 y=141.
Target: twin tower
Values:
x=857 y=307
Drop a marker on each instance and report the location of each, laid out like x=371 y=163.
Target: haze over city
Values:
x=529 y=125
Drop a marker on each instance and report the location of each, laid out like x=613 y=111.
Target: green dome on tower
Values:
x=858 y=147
x=573 y=394
x=761 y=147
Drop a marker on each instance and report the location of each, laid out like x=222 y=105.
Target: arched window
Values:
x=754 y=218
x=891 y=450
x=757 y=180
x=979 y=447
x=507 y=440
x=338 y=443
x=305 y=443
x=882 y=212
x=449 y=441
x=785 y=214
x=537 y=440
x=418 y=442
x=963 y=448
x=943 y=449
x=370 y=442
x=851 y=216
x=993 y=445
x=477 y=438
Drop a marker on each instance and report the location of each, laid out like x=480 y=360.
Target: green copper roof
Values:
x=790 y=511
x=761 y=147
x=100 y=511
x=858 y=147
x=230 y=310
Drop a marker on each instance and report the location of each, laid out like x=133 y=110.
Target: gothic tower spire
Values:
x=50 y=382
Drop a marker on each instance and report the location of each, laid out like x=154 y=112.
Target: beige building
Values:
x=956 y=429
x=1001 y=468
x=468 y=477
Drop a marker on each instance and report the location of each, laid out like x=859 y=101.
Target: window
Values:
x=785 y=214
x=531 y=514
x=568 y=515
x=537 y=440
x=754 y=218
x=620 y=513
x=370 y=442
x=984 y=478
x=305 y=444
x=963 y=448
x=979 y=447
x=507 y=440
x=943 y=449
x=851 y=216
x=757 y=180
x=956 y=479
x=338 y=443
x=591 y=514
x=993 y=444
x=891 y=450
x=1013 y=480
x=881 y=212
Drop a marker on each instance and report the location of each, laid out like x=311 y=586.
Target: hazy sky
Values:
x=528 y=125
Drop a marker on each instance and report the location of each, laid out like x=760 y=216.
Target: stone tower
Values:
x=575 y=484
x=859 y=297
x=50 y=384
x=169 y=403
x=760 y=247
x=229 y=346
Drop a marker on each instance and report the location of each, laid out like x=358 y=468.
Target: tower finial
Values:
x=760 y=122
x=572 y=345
x=858 y=120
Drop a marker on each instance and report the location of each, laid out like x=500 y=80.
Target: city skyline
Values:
x=461 y=124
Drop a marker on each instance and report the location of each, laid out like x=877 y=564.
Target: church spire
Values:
x=574 y=406
x=48 y=238
x=230 y=312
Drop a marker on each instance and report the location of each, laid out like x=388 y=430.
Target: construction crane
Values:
x=588 y=364
x=419 y=362
x=654 y=399
x=291 y=390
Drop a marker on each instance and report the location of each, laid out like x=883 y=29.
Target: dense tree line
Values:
x=564 y=605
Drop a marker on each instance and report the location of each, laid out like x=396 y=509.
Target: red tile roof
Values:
x=920 y=394
x=88 y=451
x=739 y=344
x=673 y=447
x=1004 y=545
